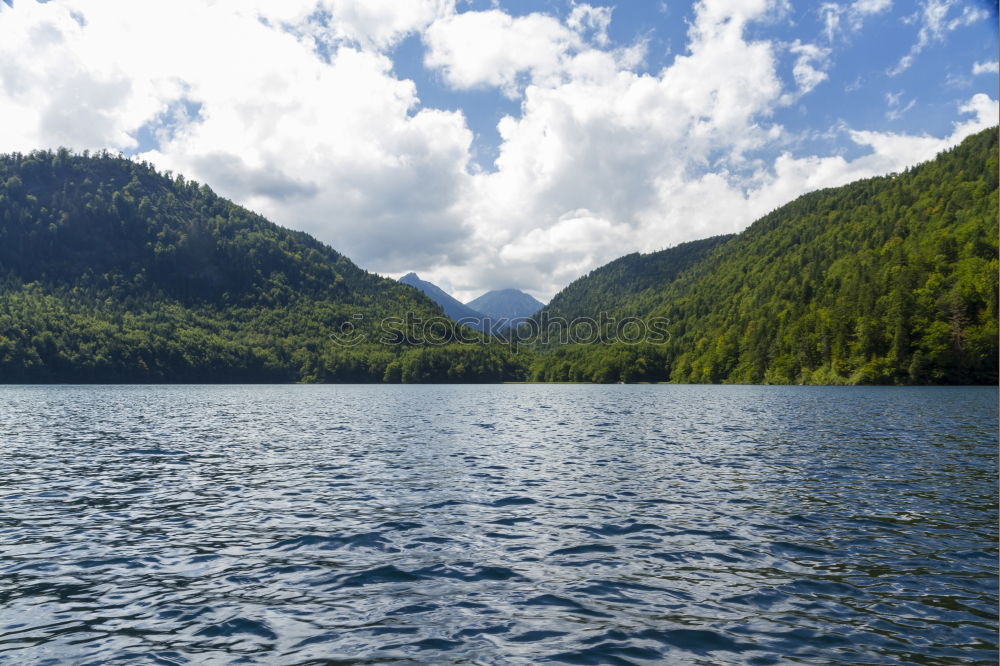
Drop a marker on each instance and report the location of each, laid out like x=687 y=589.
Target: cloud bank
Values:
x=295 y=110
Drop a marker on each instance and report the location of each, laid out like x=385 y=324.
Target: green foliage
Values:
x=112 y=272
x=600 y=363
x=630 y=285
x=889 y=280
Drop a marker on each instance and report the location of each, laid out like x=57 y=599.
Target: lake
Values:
x=498 y=524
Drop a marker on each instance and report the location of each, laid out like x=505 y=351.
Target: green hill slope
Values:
x=630 y=285
x=110 y=271
x=886 y=280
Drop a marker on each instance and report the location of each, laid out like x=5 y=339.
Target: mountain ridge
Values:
x=452 y=307
x=886 y=280
x=113 y=272
x=509 y=306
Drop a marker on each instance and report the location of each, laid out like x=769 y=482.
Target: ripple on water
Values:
x=497 y=525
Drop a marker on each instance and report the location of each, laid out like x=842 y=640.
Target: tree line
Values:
x=113 y=272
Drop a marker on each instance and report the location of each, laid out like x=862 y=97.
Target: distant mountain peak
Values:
x=452 y=307
x=498 y=307
x=506 y=305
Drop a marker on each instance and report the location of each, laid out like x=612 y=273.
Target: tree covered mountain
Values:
x=110 y=271
x=889 y=280
x=452 y=307
x=630 y=285
x=506 y=305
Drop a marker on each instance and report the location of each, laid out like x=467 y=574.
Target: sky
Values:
x=488 y=144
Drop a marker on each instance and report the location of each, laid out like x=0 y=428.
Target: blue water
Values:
x=498 y=525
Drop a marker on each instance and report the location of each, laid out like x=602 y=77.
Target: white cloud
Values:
x=365 y=23
x=896 y=109
x=890 y=152
x=67 y=92
x=898 y=112
x=619 y=153
x=936 y=21
x=577 y=242
x=986 y=112
x=362 y=167
x=492 y=48
x=383 y=22
x=985 y=68
x=294 y=110
x=584 y=18
x=854 y=14
x=831 y=13
x=866 y=7
x=806 y=69
x=339 y=147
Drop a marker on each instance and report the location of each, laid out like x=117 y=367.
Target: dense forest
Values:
x=630 y=285
x=112 y=272
x=889 y=280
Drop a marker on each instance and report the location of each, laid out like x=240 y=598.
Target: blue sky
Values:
x=502 y=143
x=855 y=94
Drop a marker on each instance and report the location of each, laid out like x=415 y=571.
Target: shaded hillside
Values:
x=110 y=271
x=451 y=306
x=630 y=285
x=886 y=280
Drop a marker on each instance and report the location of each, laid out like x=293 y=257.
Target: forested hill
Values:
x=110 y=271
x=886 y=280
x=632 y=284
x=104 y=222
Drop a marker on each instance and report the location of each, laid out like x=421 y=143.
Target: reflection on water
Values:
x=498 y=524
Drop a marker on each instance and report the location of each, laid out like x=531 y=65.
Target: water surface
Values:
x=498 y=525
